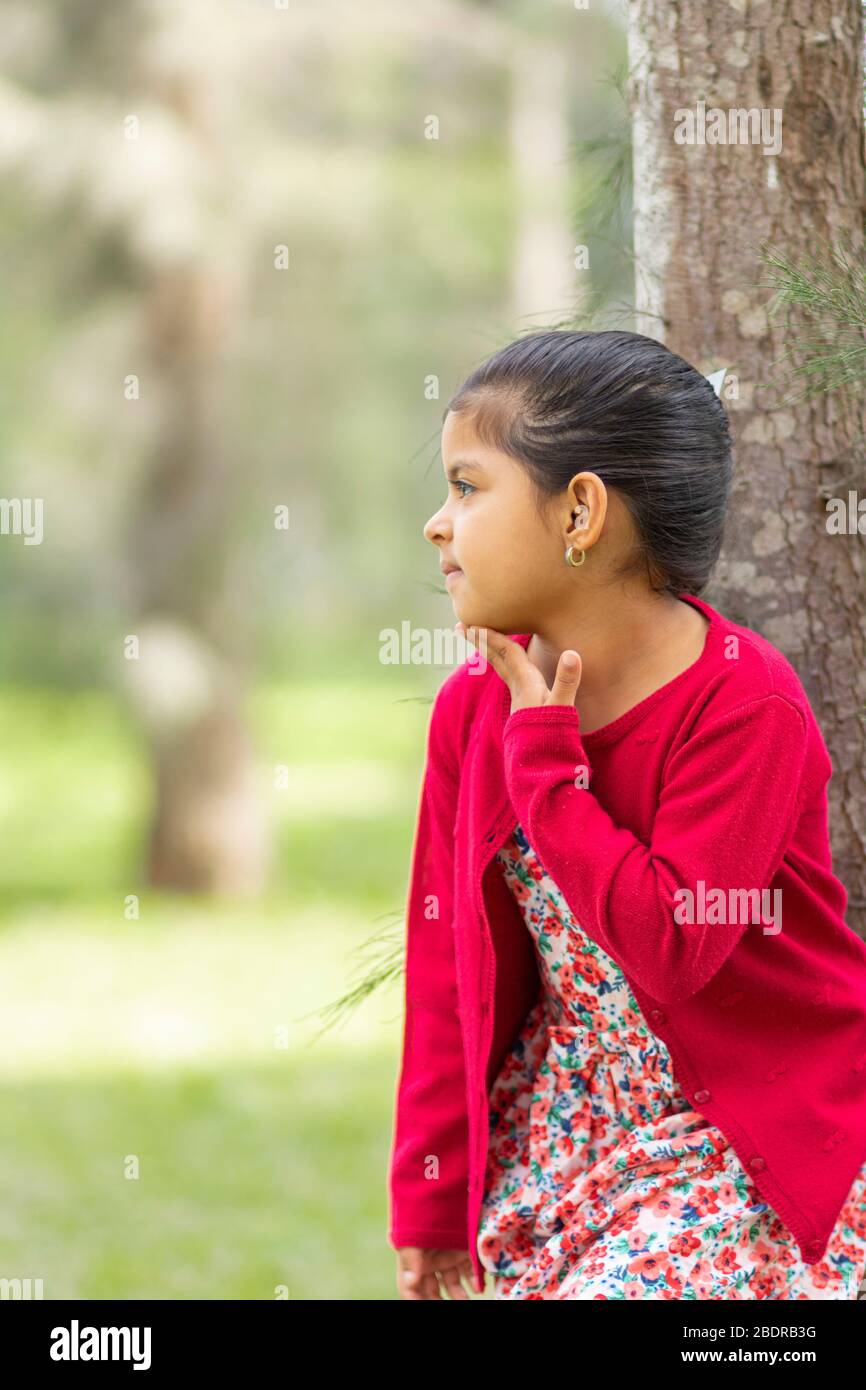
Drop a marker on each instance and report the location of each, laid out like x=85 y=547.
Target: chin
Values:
x=472 y=616
x=473 y=611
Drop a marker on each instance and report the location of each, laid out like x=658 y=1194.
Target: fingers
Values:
x=408 y=1283
x=419 y=1274
x=416 y=1280
x=411 y=1273
x=476 y=635
x=567 y=679
x=451 y=1278
x=507 y=658
x=498 y=648
x=416 y=1287
x=523 y=678
x=467 y=1273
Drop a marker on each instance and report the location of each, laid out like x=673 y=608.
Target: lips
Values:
x=450 y=569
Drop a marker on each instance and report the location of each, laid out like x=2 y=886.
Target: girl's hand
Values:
x=526 y=683
x=419 y=1271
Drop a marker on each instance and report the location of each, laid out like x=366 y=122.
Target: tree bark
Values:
x=701 y=212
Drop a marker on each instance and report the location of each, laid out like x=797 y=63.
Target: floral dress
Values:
x=602 y=1181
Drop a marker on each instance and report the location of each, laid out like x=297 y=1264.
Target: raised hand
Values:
x=526 y=683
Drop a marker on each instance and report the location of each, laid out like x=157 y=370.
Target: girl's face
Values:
x=509 y=559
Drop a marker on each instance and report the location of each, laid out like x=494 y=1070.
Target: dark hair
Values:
x=625 y=407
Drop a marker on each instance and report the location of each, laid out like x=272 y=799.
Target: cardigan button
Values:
x=757 y=1163
x=656 y=1016
x=702 y=1097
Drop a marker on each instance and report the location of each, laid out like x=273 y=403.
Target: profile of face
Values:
x=506 y=554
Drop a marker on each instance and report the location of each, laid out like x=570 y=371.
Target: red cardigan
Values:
x=721 y=776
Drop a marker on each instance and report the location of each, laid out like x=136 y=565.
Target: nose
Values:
x=438 y=528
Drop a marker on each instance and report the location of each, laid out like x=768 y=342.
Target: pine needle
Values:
x=823 y=299
x=382 y=957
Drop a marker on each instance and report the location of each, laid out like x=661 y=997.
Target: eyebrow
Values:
x=462 y=466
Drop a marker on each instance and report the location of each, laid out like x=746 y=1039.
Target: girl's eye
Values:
x=458 y=482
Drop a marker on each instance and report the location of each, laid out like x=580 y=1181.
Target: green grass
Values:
x=170 y=1128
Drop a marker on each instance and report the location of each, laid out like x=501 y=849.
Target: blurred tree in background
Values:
x=246 y=241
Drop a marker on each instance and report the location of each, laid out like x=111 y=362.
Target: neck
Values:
x=618 y=637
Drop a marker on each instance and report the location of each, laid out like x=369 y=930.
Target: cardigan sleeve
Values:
x=429 y=1168
x=727 y=808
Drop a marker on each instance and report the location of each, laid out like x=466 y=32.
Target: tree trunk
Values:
x=208 y=830
x=701 y=211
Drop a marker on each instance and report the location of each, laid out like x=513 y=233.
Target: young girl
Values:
x=634 y=1059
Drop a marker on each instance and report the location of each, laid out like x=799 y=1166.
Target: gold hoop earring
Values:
x=569 y=554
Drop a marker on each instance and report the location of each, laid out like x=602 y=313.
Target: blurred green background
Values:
x=239 y=276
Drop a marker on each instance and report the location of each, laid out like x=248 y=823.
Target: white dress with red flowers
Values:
x=602 y=1181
